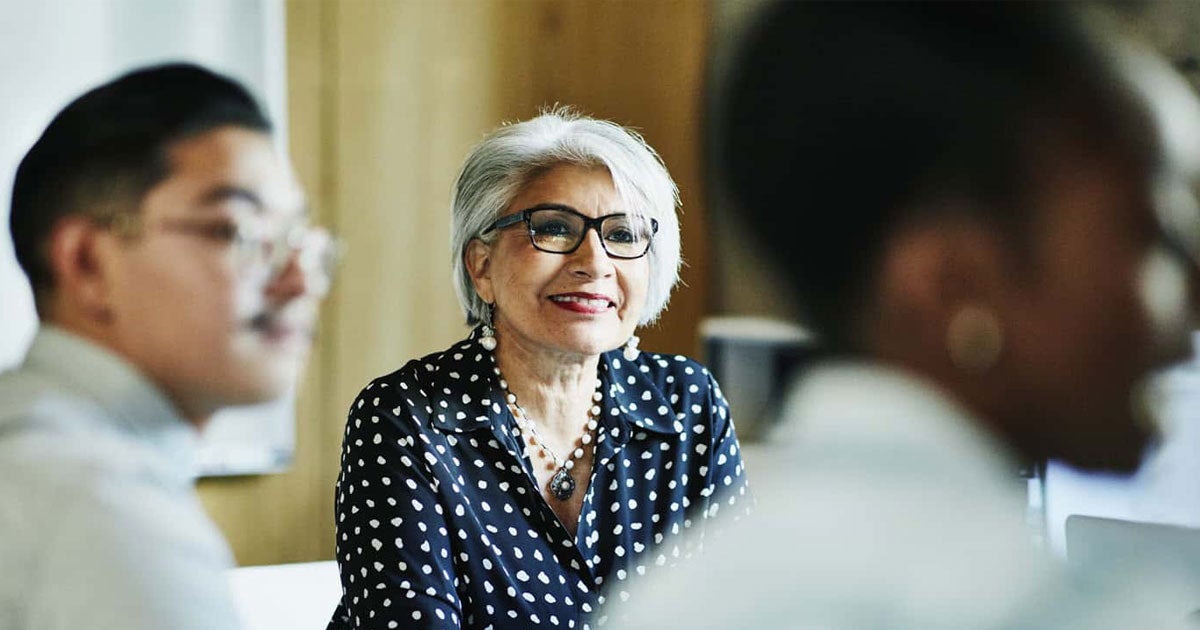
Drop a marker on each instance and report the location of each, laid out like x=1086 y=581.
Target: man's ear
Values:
x=478 y=261
x=81 y=279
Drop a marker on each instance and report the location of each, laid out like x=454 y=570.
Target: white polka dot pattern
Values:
x=440 y=521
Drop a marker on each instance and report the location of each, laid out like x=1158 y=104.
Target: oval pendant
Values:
x=562 y=485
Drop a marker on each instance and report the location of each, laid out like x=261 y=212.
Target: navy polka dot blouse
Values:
x=441 y=523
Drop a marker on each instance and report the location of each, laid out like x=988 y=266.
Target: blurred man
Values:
x=995 y=241
x=174 y=272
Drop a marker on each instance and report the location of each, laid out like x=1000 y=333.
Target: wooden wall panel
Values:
x=642 y=64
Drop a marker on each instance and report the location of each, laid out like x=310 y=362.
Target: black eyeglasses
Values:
x=560 y=230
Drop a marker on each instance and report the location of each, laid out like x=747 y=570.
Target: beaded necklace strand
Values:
x=562 y=484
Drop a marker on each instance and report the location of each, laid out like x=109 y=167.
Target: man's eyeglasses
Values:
x=561 y=230
x=253 y=249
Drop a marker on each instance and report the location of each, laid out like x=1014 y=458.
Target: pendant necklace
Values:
x=562 y=484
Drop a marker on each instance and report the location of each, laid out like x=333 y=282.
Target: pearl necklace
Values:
x=562 y=484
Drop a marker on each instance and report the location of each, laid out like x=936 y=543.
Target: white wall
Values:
x=53 y=50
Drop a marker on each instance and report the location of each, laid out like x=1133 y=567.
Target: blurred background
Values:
x=378 y=101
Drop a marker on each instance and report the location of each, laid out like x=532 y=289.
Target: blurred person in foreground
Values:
x=994 y=235
x=521 y=476
x=174 y=274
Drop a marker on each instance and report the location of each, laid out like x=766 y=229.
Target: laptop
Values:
x=1153 y=553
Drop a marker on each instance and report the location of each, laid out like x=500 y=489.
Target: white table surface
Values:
x=297 y=596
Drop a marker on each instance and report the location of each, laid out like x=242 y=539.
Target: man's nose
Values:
x=294 y=279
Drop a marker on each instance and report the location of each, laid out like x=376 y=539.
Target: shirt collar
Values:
x=139 y=408
x=625 y=377
x=465 y=368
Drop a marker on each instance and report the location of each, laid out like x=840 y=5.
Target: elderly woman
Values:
x=519 y=477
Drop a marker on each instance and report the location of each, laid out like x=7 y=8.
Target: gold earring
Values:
x=974 y=339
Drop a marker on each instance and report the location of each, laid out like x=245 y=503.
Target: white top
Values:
x=100 y=526
x=882 y=504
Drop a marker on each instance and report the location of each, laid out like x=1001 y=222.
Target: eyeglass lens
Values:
x=314 y=247
x=561 y=231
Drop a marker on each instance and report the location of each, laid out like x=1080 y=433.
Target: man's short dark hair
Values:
x=842 y=119
x=108 y=147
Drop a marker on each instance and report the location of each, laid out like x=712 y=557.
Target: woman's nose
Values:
x=595 y=259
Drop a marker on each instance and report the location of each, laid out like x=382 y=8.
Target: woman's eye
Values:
x=553 y=229
x=621 y=235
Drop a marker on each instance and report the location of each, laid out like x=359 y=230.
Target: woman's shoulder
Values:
x=450 y=391
x=666 y=370
x=461 y=365
x=663 y=381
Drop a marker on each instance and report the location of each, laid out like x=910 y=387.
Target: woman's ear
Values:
x=934 y=267
x=478 y=261
x=941 y=297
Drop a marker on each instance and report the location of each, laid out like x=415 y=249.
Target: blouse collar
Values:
x=465 y=367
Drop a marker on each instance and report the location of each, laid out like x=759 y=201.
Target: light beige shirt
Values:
x=100 y=526
x=883 y=505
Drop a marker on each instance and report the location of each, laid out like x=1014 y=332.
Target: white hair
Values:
x=512 y=155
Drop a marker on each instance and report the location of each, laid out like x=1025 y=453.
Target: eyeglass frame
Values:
x=289 y=240
x=588 y=224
